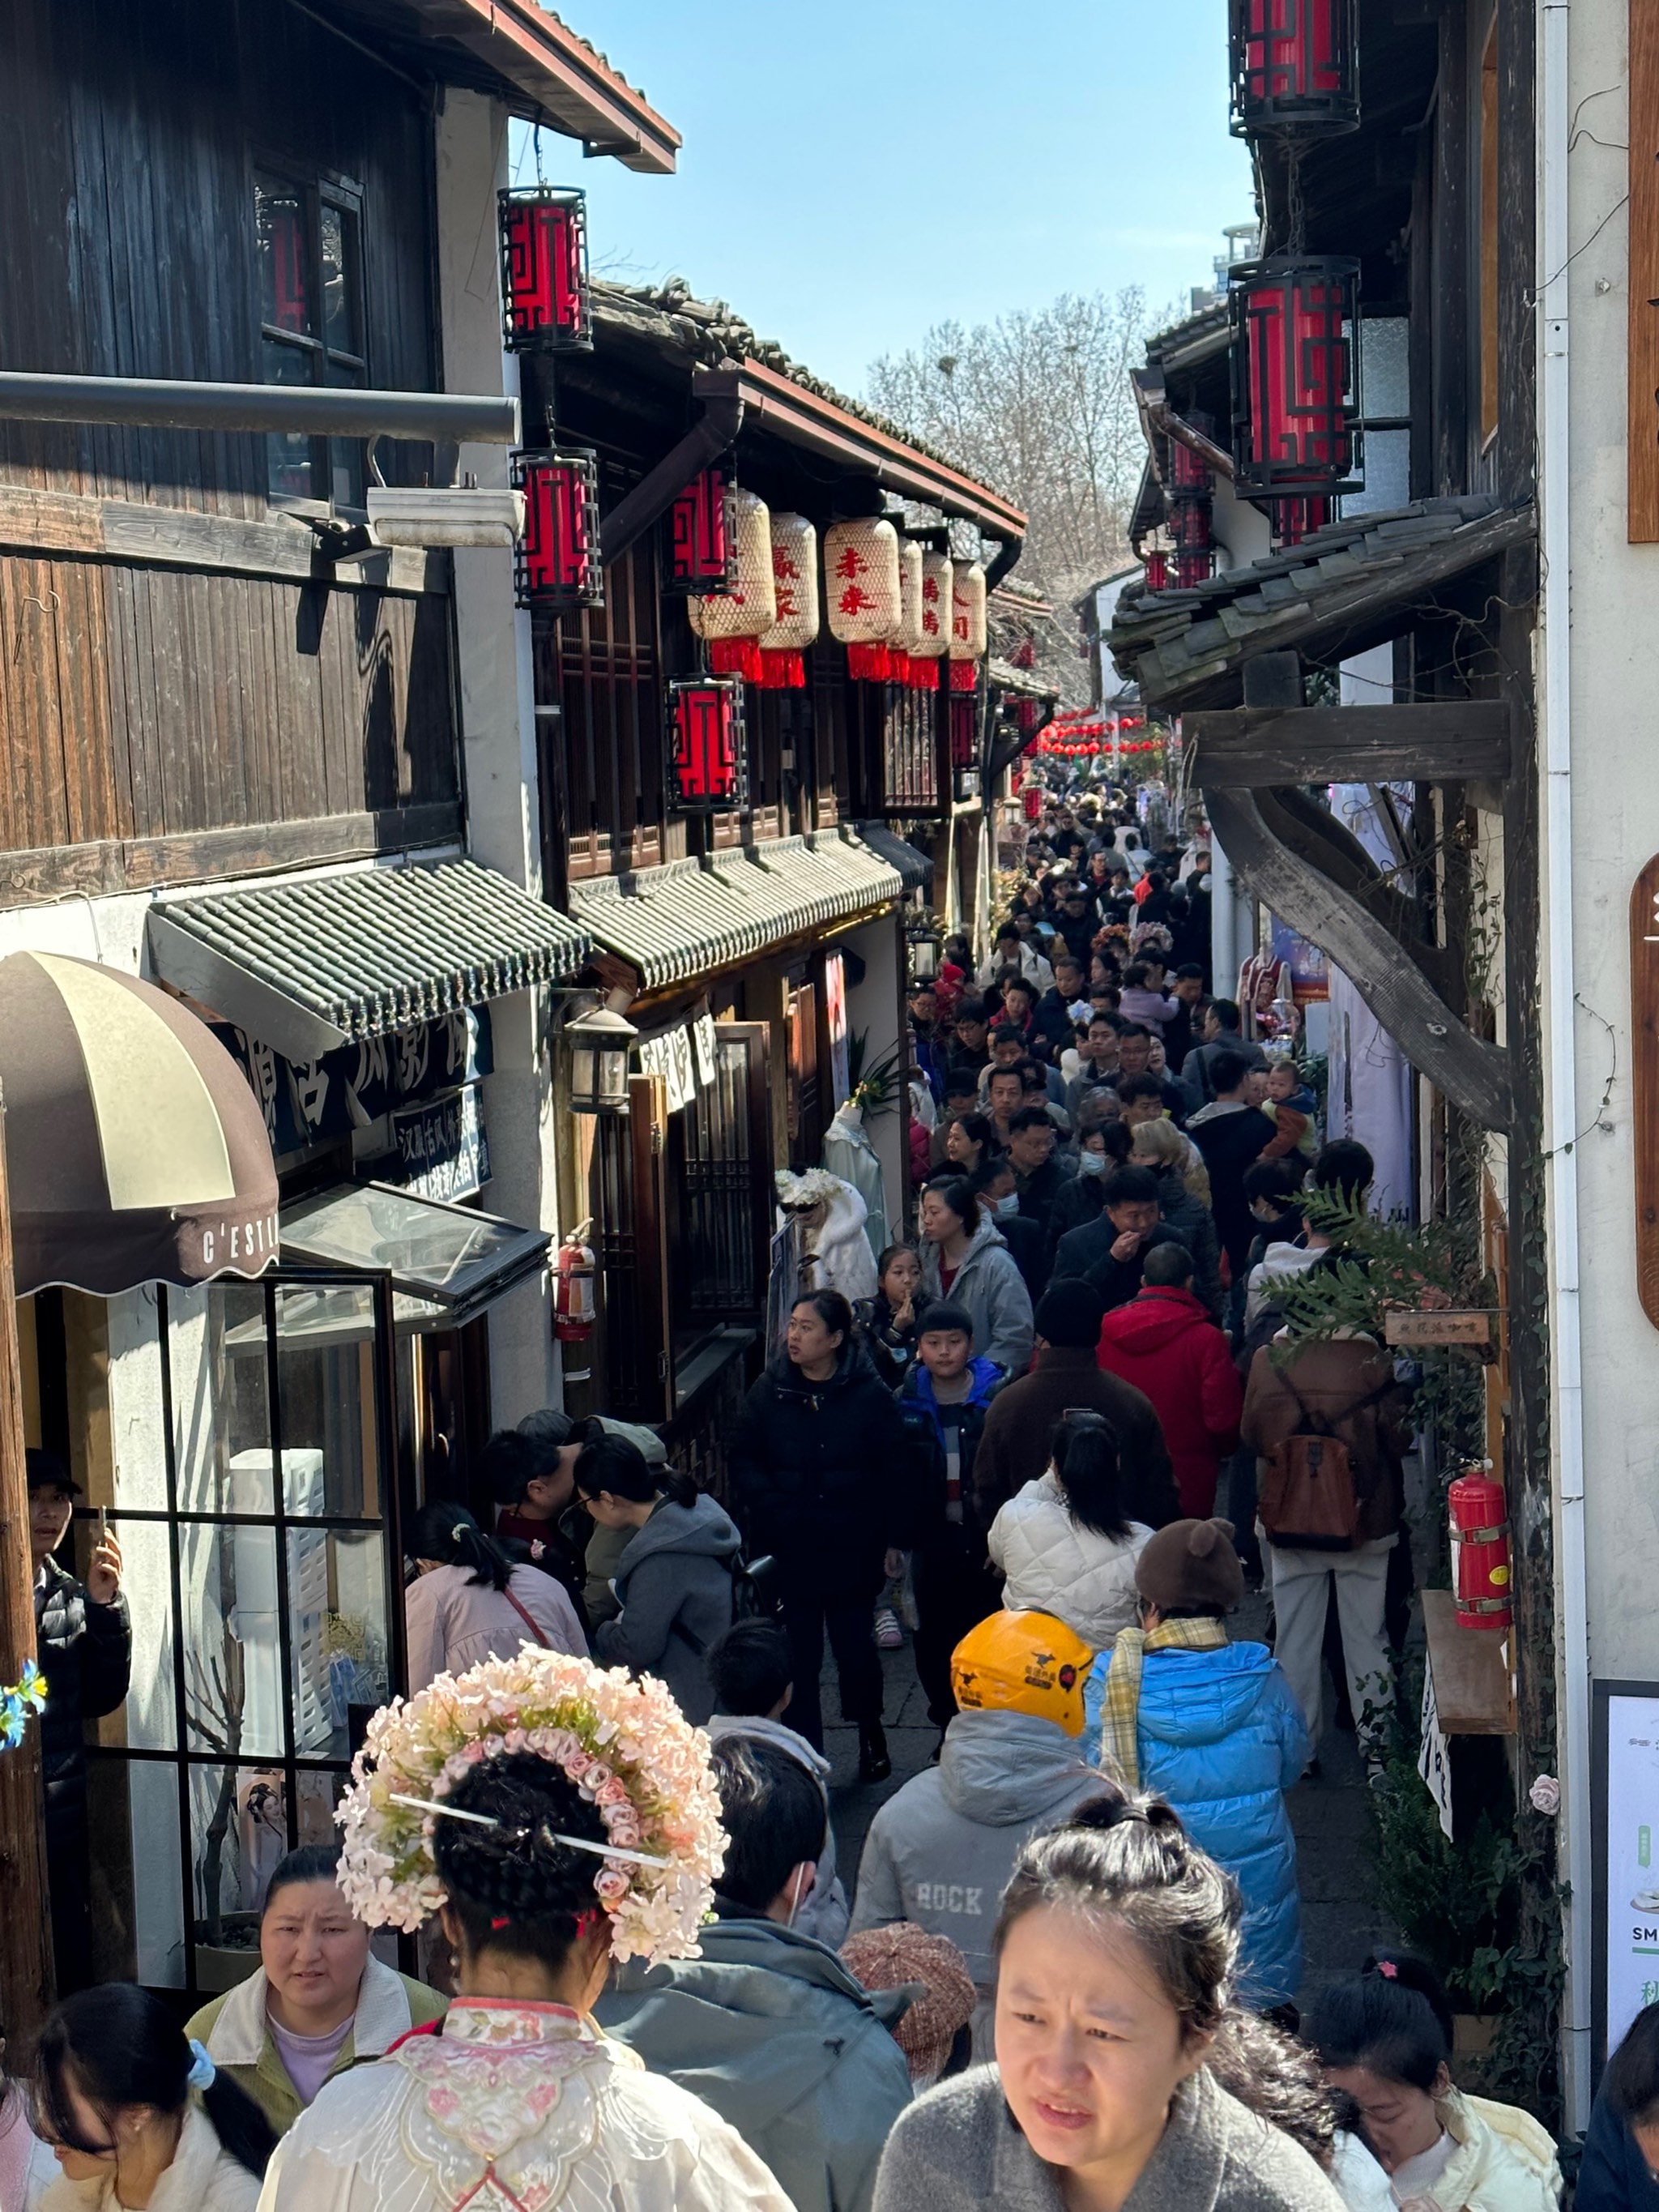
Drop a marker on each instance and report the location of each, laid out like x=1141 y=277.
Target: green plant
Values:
x=873 y=1087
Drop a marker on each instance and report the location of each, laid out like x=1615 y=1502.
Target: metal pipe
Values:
x=302 y=410
x=1560 y=1044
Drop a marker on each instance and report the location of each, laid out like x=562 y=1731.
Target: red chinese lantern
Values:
x=1296 y=519
x=707 y=763
x=1193 y=568
x=1190 y=476
x=1157 y=567
x=1189 y=524
x=1295 y=376
x=545 y=304
x=1294 y=66
x=1480 y=1552
x=964 y=732
x=702 y=552
x=556 y=565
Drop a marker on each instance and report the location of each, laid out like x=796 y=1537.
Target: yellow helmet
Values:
x=1022 y=1663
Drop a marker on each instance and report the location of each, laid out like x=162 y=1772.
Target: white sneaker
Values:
x=890 y=1636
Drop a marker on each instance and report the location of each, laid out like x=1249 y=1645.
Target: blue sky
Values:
x=856 y=170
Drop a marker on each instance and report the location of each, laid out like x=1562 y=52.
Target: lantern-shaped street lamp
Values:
x=1295 y=376
x=1296 y=519
x=545 y=304
x=1295 y=67
x=1190 y=475
x=964 y=728
x=703 y=547
x=1193 y=567
x=707 y=758
x=1157 y=568
x=924 y=955
x=1189 y=524
x=557 y=567
x=599 y=1043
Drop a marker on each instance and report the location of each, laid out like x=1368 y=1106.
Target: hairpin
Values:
x=489 y=1820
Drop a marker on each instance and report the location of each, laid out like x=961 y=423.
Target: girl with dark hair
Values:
x=1065 y=1542
x=138 y=2114
x=966 y=1261
x=1123 y=2064
x=26 y=2165
x=553 y=1816
x=673 y=1576
x=819 y=1462
x=1383 y=2039
x=887 y=1322
x=319 y=2004
x=1621 y=2149
x=468 y=1602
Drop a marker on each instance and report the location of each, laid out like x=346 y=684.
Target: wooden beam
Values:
x=1473 y=1694
x=129 y=532
x=1436 y=741
x=1642 y=432
x=1473 y=1075
x=26 y=1964
x=101 y=870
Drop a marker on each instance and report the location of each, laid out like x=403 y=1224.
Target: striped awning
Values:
x=134 y=1149
x=676 y=922
x=312 y=963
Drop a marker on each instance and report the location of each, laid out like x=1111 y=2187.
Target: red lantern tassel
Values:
x=964 y=676
x=782 y=670
x=924 y=675
x=870 y=664
x=735 y=656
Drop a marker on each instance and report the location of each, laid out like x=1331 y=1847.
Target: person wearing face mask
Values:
x=1102 y=1144
x=767 y=2025
x=996 y=1186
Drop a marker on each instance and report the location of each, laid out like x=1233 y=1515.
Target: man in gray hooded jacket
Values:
x=768 y=2025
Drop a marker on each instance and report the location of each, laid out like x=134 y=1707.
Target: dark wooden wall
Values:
x=169 y=715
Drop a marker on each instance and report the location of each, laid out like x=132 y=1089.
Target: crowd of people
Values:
x=1065 y=1971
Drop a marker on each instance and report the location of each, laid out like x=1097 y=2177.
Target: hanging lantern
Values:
x=1189 y=524
x=862 y=594
x=731 y=623
x=964 y=732
x=795 y=596
x=557 y=564
x=600 y=1043
x=1028 y=713
x=708 y=770
x=905 y=644
x=1156 y=565
x=1295 y=67
x=1295 y=376
x=969 y=637
x=1193 y=568
x=1190 y=475
x=545 y=304
x=1296 y=519
x=702 y=542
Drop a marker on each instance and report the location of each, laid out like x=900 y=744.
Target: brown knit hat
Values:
x=1191 y=1566
x=886 y=1958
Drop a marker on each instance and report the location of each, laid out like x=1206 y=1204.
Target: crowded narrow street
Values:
x=828 y=1108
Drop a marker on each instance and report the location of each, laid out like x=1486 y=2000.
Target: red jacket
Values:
x=1165 y=1343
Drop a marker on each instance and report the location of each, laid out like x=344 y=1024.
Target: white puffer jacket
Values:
x=1055 y=1565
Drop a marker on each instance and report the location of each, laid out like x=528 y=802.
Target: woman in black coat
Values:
x=819 y=1463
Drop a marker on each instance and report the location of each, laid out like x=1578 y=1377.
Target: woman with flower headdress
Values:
x=554 y=1816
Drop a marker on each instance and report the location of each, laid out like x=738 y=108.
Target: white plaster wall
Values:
x=874 y=1006
x=498 y=725
x=1615 y=681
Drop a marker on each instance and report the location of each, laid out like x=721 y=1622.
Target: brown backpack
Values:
x=1309 y=1501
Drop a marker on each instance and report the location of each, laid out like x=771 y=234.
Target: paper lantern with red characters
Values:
x=795 y=592
x=861 y=593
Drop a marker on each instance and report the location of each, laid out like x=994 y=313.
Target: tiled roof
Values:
x=679 y=922
x=1348 y=586
x=367 y=952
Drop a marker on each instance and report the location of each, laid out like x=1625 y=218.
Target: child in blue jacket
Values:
x=1212 y=1727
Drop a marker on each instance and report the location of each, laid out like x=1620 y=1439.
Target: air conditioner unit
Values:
x=455 y=515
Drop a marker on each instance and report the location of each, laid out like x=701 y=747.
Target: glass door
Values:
x=264 y=1582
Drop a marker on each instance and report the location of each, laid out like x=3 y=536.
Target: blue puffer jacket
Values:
x=1220 y=1735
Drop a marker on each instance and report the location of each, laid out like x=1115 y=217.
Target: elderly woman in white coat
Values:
x=1065 y=1542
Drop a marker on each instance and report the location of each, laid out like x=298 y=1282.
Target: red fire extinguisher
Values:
x=1480 y=1551
x=573 y=1297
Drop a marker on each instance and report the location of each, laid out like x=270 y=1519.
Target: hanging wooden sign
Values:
x=1448 y=1326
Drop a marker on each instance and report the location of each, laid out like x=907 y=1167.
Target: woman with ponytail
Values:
x=1065 y=1541
x=1124 y=2070
x=139 y=2115
x=1384 y=2039
x=468 y=1602
x=673 y=1578
x=554 y=1816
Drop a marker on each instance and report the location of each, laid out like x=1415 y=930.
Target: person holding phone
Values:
x=83 y=1646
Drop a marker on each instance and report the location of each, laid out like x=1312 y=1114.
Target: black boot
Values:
x=874 y=1765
